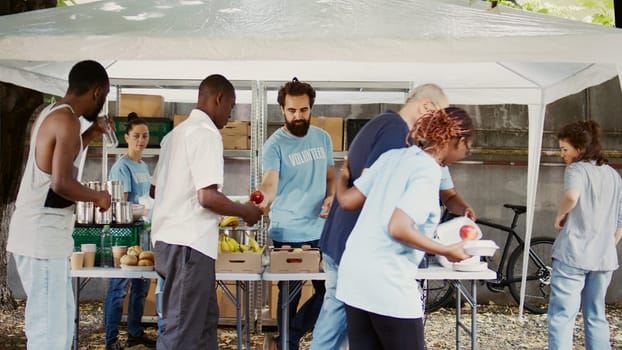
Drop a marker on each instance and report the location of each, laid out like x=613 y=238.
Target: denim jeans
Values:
x=113 y=308
x=303 y=320
x=330 y=330
x=571 y=289
x=50 y=307
x=158 y=303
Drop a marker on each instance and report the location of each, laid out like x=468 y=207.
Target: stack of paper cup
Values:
x=89 y=254
x=117 y=252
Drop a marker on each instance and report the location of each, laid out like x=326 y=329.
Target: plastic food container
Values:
x=480 y=247
x=449 y=231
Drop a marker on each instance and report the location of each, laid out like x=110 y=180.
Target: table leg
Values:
x=247 y=309
x=76 y=287
x=458 y=317
x=238 y=313
x=473 y=315
x=285 y=316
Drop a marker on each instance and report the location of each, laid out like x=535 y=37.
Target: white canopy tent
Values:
x=477 y=56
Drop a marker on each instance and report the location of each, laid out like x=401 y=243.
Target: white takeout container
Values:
x=482 y=247
x=449 y=233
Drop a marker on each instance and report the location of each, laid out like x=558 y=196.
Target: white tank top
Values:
x=42 y=224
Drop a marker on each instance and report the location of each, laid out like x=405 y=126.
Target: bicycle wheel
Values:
x=438 y=294
x=538 y=288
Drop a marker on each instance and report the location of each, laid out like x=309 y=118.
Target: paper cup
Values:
x=117 y=252
x=88 y=247
x=77 y=260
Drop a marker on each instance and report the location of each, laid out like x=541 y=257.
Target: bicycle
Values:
x=439 y=293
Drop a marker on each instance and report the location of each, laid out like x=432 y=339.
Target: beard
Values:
x=298 y=127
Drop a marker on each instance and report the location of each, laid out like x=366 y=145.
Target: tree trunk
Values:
x=17 y=105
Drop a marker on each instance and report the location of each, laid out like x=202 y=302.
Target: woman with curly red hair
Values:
x=399 y=196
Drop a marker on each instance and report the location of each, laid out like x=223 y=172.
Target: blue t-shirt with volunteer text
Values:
x=135 y=177
x=302 y=164
x=384 y=132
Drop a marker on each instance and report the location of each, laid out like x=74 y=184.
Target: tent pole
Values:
x=536 y=126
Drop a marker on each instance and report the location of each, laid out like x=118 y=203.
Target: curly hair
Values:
x=296 y=88
x=584 y=136
x=435 y=129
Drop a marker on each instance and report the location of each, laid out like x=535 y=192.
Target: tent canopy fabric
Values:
x=478 y=56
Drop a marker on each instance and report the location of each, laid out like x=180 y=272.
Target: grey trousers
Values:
x=189 y=306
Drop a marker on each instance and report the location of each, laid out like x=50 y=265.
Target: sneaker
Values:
x=140 y=340
x=114 y=346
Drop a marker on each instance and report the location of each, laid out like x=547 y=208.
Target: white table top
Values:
x=102 y=272
x=433 y=272
x=293 y=276
x=437 y=272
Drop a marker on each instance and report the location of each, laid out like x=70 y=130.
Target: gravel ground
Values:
x=498 y=328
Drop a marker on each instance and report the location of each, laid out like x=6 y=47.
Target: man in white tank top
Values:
x=41 y=226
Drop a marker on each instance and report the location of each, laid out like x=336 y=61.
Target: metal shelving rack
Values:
x=259 y=126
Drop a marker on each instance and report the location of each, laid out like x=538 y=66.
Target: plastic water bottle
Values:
x=106 y=247
x=110 y=136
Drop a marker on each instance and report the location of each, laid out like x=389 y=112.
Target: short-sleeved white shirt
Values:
x=377 y=273
x=191 y=158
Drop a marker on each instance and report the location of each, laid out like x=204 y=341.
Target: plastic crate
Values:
x=127 y=235
x=158 y=127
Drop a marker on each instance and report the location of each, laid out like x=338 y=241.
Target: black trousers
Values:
x=370 y=331
x=189 y=305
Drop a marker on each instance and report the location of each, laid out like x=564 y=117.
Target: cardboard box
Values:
x=150 y=303
x=305 y=293
x=238 y=262
x=226 y=307
x=236 y=135
x=178 y=118
x=144 y=105
x=285 y=259
x=334 y=127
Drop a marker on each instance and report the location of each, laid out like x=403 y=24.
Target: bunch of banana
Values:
x=253 y=245
x=228 y=244
x=232 y=221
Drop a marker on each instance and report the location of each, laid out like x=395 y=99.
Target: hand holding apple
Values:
x=468 y=232
x=257 y=197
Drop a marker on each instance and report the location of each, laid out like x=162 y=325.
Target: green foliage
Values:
x=62 y=3
x=591 y=11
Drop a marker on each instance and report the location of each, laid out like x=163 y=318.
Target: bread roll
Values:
x=133 y=251
x=145 y=262
x=128 y=259
x=147 y=254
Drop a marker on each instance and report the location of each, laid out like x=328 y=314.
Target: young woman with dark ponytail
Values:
x=399 y=196
x=134 y=173
x=589 y=219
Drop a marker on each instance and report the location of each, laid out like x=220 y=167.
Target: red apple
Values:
x=468 y=232
x=257 y=197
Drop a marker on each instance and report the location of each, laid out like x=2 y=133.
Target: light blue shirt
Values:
x=587 y=240
x=377 y=273
x=302 y=164
x=135 y=177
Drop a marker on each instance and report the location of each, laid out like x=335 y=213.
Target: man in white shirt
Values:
x=186 y=214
